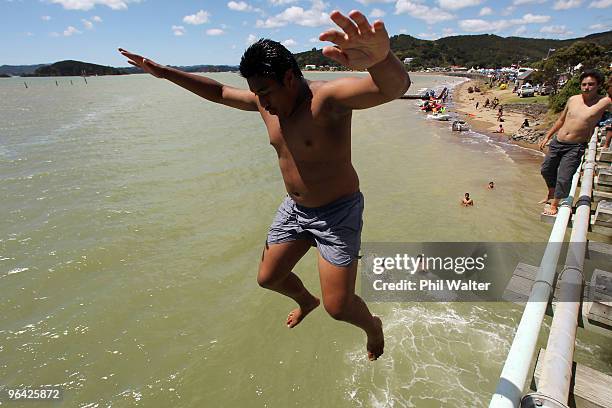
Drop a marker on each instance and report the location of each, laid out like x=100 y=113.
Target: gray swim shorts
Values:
x=335 y=228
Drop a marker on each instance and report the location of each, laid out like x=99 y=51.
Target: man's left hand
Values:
x=361 y=45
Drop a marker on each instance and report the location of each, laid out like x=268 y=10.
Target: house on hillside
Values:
x=310 y=67
x=563 y=78
x=523 y=76
x=408 y=60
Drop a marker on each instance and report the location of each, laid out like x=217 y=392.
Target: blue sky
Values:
x=189 y=32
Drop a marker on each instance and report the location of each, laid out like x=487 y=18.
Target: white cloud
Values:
x=567 y=4
x=313 y=40
x=96 y=19
x=88 y=24
x=29 y=34
x=45 y=18
x=313 y=17
x=198 y=18
x=70 y=30
x=556 y=29
x=531 y=19
x=289 y=42
x=485 y=11
x=89 y=4
x=281 y=2
x=377 y=13
x=178 y=30
x=366 y=2
x=600 y=4
x=458 y=4
x=241 y=6
x=523 y=2
x=508 y=10
x=599 y=26
x=448 y=32
x=482 y=26
x=430 y=14
x=403 y=31
x=428 y=36
x=251 y=39
x=520 y=30
x=214 y=31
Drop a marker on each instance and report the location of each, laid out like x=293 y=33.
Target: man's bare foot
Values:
x=549 y=196
x=552 y=210
x=299 y=313
x=376 y=341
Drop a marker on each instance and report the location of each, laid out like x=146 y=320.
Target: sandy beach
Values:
x=484 y=120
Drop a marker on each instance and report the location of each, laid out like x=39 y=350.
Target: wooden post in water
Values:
x=26 y=85
x=56 y=84
x=71 y=82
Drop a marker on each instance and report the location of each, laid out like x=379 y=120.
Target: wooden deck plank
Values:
x=605 y=156
x=600 y=315
x=589 y=389
x=603 y=214
x=599 y=196
x=605 y=175
x=601 y=186
x=599 y=251
x=597 y=304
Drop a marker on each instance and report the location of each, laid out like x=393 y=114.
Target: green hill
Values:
x=75 y=68
x=17 y=70
x=486 y=50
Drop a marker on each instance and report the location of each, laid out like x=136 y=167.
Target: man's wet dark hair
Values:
x=592 y=73
x=268 y=59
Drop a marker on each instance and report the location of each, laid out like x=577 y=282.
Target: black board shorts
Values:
x=335 y=228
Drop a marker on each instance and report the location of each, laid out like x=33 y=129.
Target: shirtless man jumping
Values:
x=309 y=125
x=575 y=127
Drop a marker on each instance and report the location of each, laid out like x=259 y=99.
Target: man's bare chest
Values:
x=307 y=138
x=580 y=112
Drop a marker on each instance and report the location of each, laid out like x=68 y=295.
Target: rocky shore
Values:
x=485 y=120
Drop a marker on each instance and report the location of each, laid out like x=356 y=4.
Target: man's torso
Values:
x=314 y=150
x=580 y=120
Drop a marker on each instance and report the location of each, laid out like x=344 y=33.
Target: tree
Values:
x=590 y=55
x=557 y=101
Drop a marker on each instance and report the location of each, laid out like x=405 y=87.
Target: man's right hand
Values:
x=543 y=143
x=145 y=64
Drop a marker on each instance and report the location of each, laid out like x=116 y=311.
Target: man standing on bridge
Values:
x=575 y=127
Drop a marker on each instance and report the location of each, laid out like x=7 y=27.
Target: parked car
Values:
x=546 y=90
x=525 y=91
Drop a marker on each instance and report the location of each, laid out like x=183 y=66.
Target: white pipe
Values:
x=514 y=374
x=557 y=365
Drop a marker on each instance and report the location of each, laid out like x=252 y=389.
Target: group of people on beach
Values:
x=309 y=126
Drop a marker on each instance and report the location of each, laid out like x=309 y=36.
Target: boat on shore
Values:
x=460 y=126
x=438 y=116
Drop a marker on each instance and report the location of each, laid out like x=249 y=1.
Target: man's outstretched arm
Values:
x=200 y=85
x=364 y=46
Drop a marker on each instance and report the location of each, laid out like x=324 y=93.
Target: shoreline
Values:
x=484 y=120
